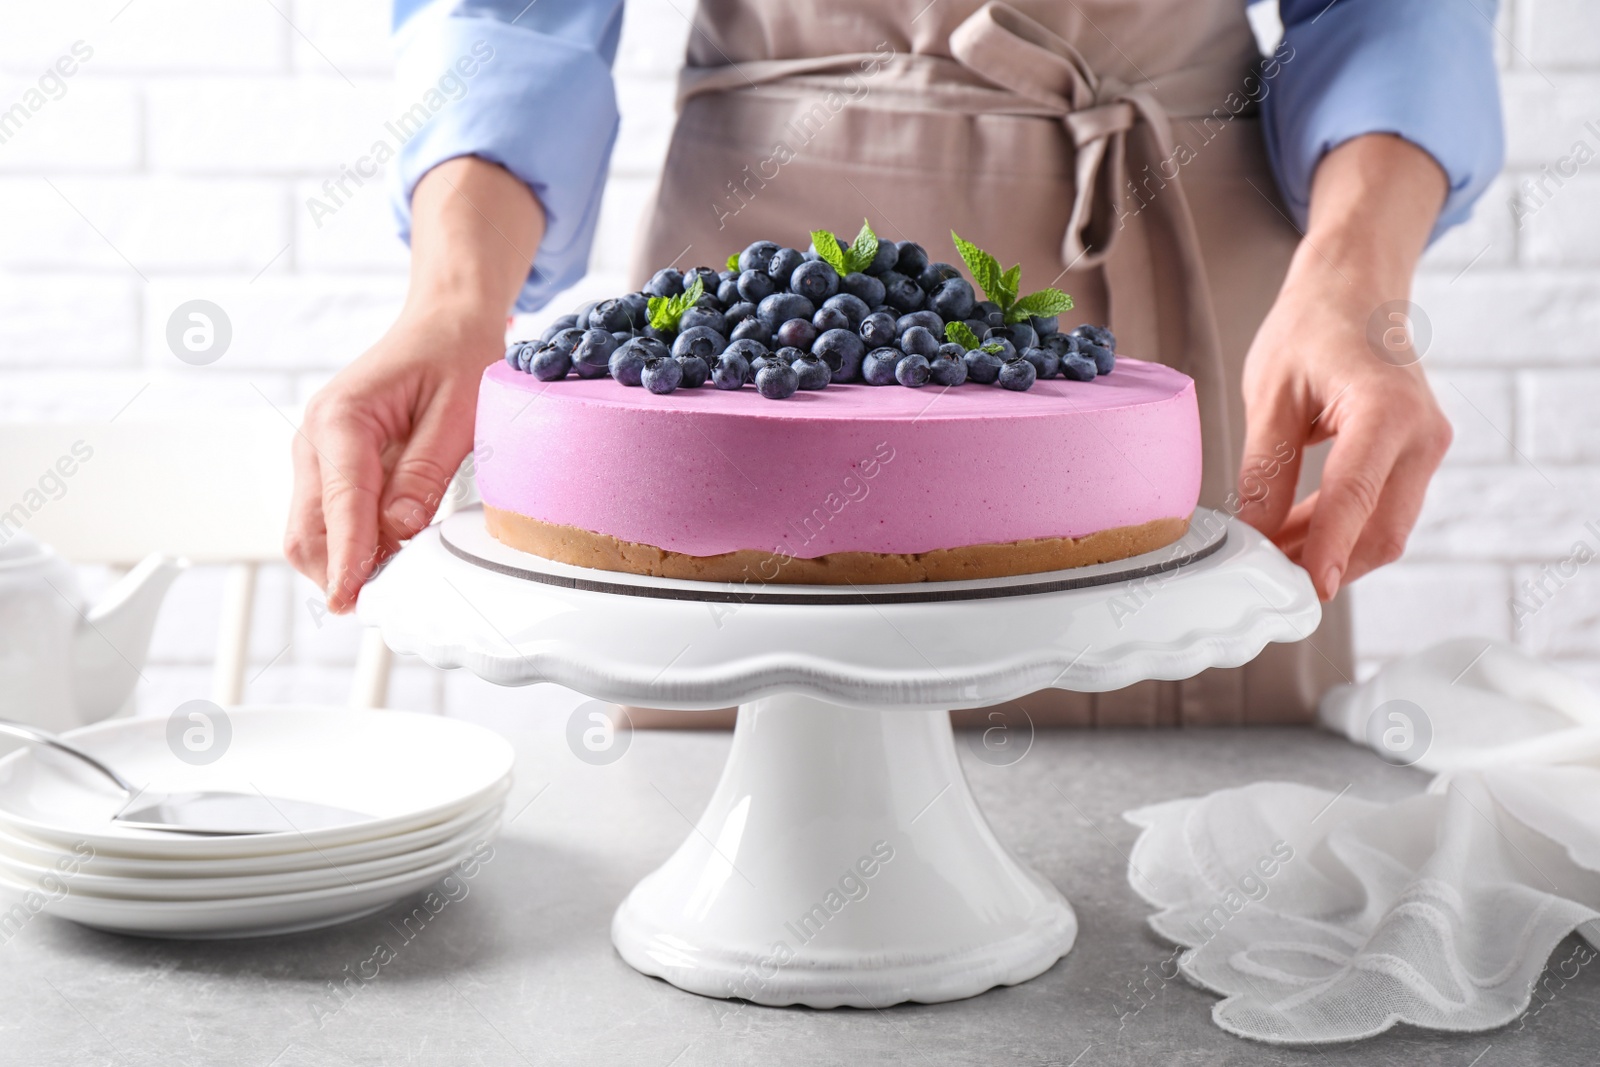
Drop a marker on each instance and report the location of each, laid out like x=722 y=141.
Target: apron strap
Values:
x=1115 y=130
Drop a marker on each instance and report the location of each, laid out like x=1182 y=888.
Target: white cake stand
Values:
x=842 y=859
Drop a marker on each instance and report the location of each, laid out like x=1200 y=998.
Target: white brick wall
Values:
x=178 y=162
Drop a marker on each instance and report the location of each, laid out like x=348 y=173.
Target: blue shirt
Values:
x=528 y=85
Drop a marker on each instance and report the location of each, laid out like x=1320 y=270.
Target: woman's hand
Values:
x=1312 y=373
x=381 y=441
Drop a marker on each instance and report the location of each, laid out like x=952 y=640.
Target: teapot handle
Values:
x=43 y=737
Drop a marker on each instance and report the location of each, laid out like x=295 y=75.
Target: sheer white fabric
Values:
x=1322 y=917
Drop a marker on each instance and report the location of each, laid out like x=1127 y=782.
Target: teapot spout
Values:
x=113 y=638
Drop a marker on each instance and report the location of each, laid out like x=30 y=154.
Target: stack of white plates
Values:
x=434 y=789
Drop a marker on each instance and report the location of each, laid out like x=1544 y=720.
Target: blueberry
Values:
x=592 y=355
x=667 y=282
x=763 y=361
x=953 y=299
x=730 y=370
x=855 y=309
x=989 y=312
x=1100 y=335
x=565 y=322
x=550 y=364
x=1044 y=326
x=878 y=366
x=776 y=381
x=1045 y=362
x=1002 y=336
x=948 y=368
x=797 y=333
x=514 y=350
x=1023 y=336
x=983 y=367
x=1077 y=367
x=1104 y=359
x=708 y=279
x=1017 y=374
x=812 y=372
x=878 y=330
x=900 y=292
x=888 y=255
x=623 y=336
x=828 y=318
x=746 y=349
x=816 y=281
x=757 y=256
x=627 y=362
x=699 y=341
x=755 y=286
x=695 y=371
x=568 y=339
x=697 y=317
x=934 y=273
x=912 y=371
x=583 y=314
x=912 y=259
x=779 y=308
x=919 y=341
x=728 y=291
x=885 y=309
x=752 y=329
x=662 y=375
x=926 y=319
x=864 y=287
x=737 y=313
x=708 y=302
x=783 y=264
x=1059 y=343
x=839 y=349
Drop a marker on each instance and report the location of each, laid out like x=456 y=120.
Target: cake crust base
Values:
x=585 y=548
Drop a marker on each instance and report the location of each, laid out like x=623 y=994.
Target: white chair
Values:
x=213 y=488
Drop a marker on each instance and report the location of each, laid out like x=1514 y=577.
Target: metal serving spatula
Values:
x=214 y=812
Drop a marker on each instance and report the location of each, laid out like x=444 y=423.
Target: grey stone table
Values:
x=517 y=967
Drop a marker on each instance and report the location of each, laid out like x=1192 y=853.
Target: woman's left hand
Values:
x=1334 y=359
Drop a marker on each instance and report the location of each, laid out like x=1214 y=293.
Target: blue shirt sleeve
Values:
x=1421 y=69
x=526 y=85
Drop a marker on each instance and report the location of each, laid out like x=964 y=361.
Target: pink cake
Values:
x=853 y=483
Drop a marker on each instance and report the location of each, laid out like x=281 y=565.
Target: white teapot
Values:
x=61 y=664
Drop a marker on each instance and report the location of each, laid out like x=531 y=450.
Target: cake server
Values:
x=208 y=812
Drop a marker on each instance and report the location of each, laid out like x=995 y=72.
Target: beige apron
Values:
x=1109 y=146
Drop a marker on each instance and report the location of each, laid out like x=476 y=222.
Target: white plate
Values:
x=252 y=885
x=246 y=917
x=404 y=769
x=30 y=851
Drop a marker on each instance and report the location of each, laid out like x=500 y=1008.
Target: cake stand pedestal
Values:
x=842 y=859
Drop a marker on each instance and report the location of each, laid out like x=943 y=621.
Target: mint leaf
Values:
x=985 y=269
x=733 y=261
x=1044 y=303
x=961 y=334
x=1008 y=287
x=828 y=248
x=862 y=251
x=994 y=348
x=666 y=311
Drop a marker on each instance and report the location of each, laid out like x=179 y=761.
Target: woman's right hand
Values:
x=381 y=441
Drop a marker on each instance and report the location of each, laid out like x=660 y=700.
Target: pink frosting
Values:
x=846 y=468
